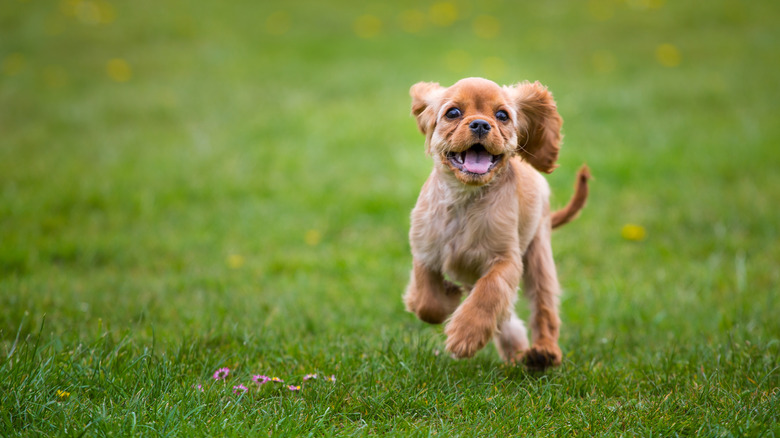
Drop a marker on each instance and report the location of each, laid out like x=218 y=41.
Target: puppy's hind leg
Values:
x=511 y=339
x=430 y=296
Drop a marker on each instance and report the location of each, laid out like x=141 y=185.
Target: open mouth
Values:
x=476 y=160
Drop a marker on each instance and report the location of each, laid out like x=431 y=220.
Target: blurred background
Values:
x=212 y=166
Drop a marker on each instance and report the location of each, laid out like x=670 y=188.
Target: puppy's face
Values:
x=473 y=127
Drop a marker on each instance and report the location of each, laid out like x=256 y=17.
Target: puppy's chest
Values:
x=462 y=241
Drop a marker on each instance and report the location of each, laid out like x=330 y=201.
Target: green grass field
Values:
x=189 y=186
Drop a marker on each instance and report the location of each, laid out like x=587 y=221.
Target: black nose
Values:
x=479 y=127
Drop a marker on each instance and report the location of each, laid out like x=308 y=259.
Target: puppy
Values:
x=482 y=221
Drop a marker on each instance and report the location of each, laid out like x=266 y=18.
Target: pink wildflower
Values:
x=332 y=378
x=199 y=387
x=277 y=380
x=260 y=379
x=239 y=389
x=294 y=388
x=309 y=376
x=221 y=374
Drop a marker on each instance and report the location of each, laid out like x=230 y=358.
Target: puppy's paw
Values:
x=466 y=335
x=433 y=308
x=431 y=311
x=542 y=356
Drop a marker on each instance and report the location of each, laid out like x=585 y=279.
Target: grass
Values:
x=186 y=188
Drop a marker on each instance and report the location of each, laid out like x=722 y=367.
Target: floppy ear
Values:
x=424 y=95
x=539 y=125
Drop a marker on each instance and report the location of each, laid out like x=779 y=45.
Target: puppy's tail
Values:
x=572 y=209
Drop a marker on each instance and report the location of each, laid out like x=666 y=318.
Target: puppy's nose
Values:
x=479 y=127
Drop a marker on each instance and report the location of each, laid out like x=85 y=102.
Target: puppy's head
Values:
x=473 y=127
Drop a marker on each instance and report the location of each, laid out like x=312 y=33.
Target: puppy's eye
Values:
x=453 y=113
x=502 y=115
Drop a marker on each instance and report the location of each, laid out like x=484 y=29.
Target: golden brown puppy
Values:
x=483 y=221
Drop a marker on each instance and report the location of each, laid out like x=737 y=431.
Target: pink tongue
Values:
x=477 y=161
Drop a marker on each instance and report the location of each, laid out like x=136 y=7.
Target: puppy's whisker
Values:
x=522 y=146
x=526 y=151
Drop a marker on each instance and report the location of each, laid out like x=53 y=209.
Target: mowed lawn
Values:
x=186 y=187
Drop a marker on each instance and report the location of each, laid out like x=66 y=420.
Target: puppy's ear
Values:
x=424 y=98
x=539 y=125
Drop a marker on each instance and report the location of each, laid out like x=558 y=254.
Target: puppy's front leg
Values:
x=488 y=305
x=540 y=283
x=430 y=296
